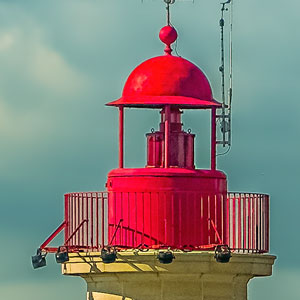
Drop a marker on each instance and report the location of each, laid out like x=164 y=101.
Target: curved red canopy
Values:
x=167 y=80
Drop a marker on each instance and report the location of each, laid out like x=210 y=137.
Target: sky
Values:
x=62 y=60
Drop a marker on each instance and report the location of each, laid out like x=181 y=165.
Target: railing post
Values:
x=246 y=221
x=97 y=219
x=66 y=216
x=167 y=135
x=121 y=137
x=268 y=223
x=233 y=222
x=213 y=140
x=102 y=217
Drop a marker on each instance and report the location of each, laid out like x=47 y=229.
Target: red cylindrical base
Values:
x=172 y=207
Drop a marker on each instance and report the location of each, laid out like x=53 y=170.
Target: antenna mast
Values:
x=225 y=117
x=168 y=2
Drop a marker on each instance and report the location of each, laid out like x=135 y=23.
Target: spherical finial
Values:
x=168 y=36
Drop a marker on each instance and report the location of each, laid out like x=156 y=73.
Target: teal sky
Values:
x=62 y=60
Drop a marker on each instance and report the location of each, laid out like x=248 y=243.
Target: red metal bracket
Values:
x=74 y=232
x=53 y=235
x=114 y=235
x=216 y=231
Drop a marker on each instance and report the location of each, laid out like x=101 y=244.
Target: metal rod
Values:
x=77 y=238
x=201 y=219
x=244 y=223
x=239 y=222
x=216 y=231
x=253 y=221
x=213 y=139
x=249 y=222
x=114 y=235
x=268 y=222
x=92 y=221
x=121 y=137
x=167 y=134
x=54 y=234
x=97 y=219
x=87 y=224
x=230 y=72
x=82 y=218
x=222 y=69
x=121 y=212
x=66 y=217
x=71 y=213
x=233 y=223
x=168 y=13
x=75 y=231
x=128 y=220
x=226 y=198
x=102 y=220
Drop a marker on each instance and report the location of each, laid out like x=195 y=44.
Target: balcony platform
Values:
x=191 y=275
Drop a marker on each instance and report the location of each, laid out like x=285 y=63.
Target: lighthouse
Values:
x=168 y=230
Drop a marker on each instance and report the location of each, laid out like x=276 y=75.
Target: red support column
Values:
x=213 y=139
x=121 y=136
x=167 y=134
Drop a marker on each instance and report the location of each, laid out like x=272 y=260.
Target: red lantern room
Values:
x=169 y=202
x=169 y=207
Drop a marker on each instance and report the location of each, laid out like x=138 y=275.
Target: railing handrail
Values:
x=247 y=215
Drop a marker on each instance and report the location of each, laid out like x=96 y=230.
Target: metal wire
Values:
x=228 y=149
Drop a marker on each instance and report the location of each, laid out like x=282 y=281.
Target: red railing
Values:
x=86 y=226
x=248 y=222
x=85 y=215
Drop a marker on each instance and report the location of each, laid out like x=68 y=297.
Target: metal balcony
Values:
x=86 y=227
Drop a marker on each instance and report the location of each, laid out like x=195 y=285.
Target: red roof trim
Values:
x=160 y=101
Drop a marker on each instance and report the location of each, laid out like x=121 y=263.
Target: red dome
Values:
x=167 y=80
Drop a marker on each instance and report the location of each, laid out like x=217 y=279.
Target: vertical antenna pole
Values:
x=230 y=72
x=167 y=135
x=168 y=2
x=222 y=69
x=213 y=139
x=168 y=13
x=121 y=137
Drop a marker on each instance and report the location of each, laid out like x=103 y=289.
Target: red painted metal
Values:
x=50 y=249
x=249 y=222
x=75 y=231
x=67 y=211
x=121 y=137
x=181 y=144
x=167 y=135
x=213 y=140
x=53 y=235
x=267 y=216
x=167 y=80
x=168 y=35
x=169 y=83
x=166 y=193
x=169 y=203
x=160 y=227
x=86 y=220
x=216 y=231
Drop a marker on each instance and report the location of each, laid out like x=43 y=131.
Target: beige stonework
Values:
x=192 y=275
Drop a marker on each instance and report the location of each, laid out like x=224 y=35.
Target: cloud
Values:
x=49 y=69
x=21 y=125
x=28 y=58
x=6 y=41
